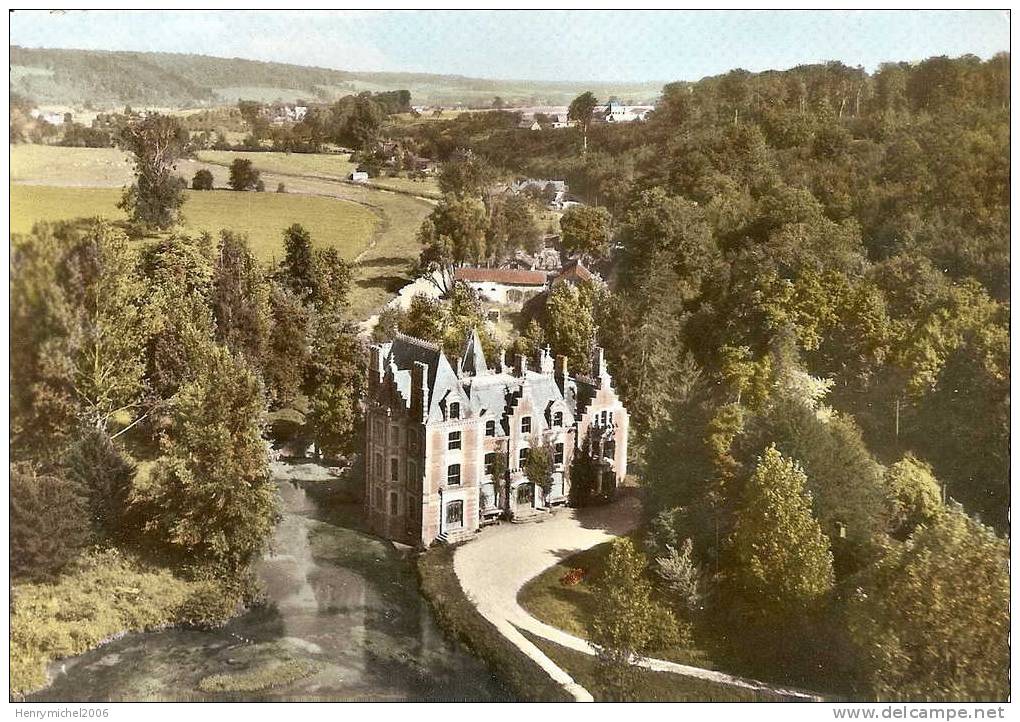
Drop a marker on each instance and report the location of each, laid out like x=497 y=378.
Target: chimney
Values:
x=561 y=371
x=419 y=389
x=375 y=366
x=459 y=368
x=598 y=367
x=520 y=365
x=545 y=361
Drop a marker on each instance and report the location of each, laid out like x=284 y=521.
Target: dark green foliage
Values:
x=288 y=352
x=202 y=180
x=244 y=176
x=335 y=385
x=49 y=522
x=103 y=476
x=586 y=232
x=210 y=502
x=297 y=270
x=156 y=197
x=240 y=299
x=921 y=633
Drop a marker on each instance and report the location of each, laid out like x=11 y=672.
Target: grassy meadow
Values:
x=261 y=216
x=52 y=183
x=327 y=166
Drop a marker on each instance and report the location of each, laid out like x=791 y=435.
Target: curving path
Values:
x=500 y=560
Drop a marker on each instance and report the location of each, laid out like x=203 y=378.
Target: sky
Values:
x=531 y=44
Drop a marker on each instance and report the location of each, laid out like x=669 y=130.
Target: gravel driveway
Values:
x=494 y=566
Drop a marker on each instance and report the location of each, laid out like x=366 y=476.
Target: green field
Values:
x=329 y=166
x=322 y=165
x=55 y=183
x=51 y=164
x=262 y=216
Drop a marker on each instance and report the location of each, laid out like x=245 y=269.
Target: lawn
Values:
x=568 y=607
x=345 y=225
x=645 y=685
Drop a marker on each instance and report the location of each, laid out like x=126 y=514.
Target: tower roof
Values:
x=473 y=359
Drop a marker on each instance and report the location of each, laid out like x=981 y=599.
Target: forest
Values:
x=808 y=319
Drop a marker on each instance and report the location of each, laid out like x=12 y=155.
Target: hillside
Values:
x=112 y=79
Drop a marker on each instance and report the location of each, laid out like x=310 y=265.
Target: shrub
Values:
x=281 y=188
x=103 y=476
x=202 y=181
x=243 y=175
x=49 y=524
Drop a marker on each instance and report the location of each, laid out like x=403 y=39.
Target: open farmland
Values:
x=263 y=217
x=56 y=183
x=326 y=166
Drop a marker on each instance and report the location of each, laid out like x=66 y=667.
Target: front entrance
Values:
x=526 y=495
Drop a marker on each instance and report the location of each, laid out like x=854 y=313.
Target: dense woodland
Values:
x=808 y=319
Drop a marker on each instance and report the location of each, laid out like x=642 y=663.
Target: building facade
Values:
x=435 y=431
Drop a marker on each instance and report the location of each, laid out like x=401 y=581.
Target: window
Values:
x=455 y=513
x=490 y=463
x=378 y=466
x=526 y=425
x=394 y=504
x=558 y=455
x=558 y=418
x=412 y=472
x=490 y=428
x=412 y=440
x=395 y=435
x=453 y=475
x=487 y=496
x=455 y=410
x=394 y=470
x=454 y=442
x=378 y=498
x=603 y=418
x=522 y=457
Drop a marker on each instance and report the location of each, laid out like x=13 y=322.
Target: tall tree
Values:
x=244 y=176
x=783 y=566
x=211 y=501
x=581 y=111
x=298 y=266
x=156 y=197
x=922 y=634
x=627 y=621
x=240 y=299
x=585 y=232
x=288 y=351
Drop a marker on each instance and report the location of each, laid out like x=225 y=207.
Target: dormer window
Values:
x=490 y=428
x=455 y=410
x=526 y=425
x=558 y=418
